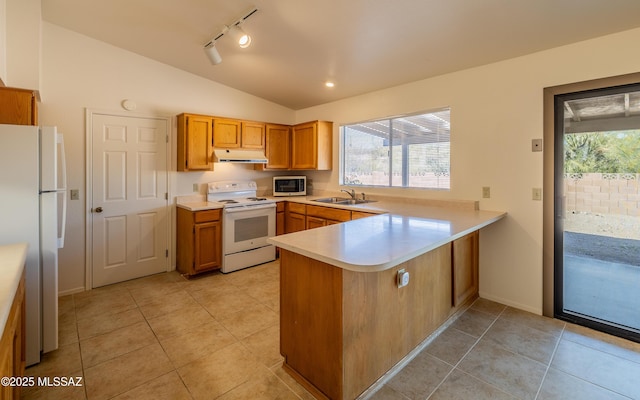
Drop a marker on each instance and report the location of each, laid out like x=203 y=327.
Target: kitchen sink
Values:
x=335 y=200
x=342 y=200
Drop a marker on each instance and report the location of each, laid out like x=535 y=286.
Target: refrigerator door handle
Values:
x=63 y=220
x=63 y=162
x=62 y=188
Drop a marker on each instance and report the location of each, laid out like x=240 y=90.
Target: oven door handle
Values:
x=249 y=208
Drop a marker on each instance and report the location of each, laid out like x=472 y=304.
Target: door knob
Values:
x=98 y=209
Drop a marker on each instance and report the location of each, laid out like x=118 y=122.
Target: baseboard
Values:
x=510 y=303
x=71 y=291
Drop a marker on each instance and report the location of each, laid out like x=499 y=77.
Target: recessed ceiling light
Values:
x=329 y=84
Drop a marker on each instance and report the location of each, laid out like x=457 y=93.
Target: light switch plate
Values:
x=195 y=187
x=75 y=194
x=486 y=192
x=536 y=194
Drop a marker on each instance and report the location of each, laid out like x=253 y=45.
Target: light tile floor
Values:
x=216 y=337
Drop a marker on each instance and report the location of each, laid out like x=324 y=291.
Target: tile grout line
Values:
x=546 y=371
x=469 y=351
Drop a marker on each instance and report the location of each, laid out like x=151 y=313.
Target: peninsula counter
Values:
x=344 y=318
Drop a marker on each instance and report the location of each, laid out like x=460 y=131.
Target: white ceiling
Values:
x=362 y=45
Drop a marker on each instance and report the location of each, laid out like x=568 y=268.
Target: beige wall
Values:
x=81 y=73
x=495 y=112
x=23 y=45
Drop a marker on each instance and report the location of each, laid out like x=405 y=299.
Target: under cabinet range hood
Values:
x=240 y=156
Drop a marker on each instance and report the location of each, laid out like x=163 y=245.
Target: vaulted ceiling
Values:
x=361 y=45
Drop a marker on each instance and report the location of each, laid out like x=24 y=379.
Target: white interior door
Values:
x=129 y=209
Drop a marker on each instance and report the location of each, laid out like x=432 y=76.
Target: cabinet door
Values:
x=465 y=268
x=208 y=245
x=304 y=146
x=226 y=133
x=253 y=135
x=277 y=146
x=315 y=222
x=194 y=143
x=295 y=222
x=18 y=107
x=280 y=223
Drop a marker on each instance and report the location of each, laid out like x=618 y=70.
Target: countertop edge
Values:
x=12 y=260
x=282 y=242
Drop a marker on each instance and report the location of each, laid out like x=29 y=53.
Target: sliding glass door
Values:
x=597 y=209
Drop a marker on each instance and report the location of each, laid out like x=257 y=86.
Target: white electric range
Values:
x=247 y=222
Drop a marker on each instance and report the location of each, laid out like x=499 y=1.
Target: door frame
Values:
x=89 y=114
x=549 y=201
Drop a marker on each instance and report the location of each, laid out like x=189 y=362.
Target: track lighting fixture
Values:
x=244 y=40
x=212 y=53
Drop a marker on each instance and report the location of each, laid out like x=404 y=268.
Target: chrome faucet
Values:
x=351 y=193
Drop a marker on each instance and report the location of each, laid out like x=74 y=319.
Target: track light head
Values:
x=212 y=53
x=244 y=40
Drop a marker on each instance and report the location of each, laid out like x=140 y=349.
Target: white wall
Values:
x=495 y=112
x=80 y=73
x=23 y=45
x=3 y=42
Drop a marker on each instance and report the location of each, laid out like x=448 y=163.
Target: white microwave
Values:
x=290 y=185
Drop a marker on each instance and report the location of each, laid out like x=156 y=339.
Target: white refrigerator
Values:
x=32 y=189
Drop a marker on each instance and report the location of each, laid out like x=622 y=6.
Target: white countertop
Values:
x=12 y=258
x=199 y=205
x=405 y=228
x=383 y=241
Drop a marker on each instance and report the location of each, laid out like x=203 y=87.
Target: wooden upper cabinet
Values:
x=195 y=152
x=311 y=145
x=253 y=135
x=227 y=133
x=235 y=134
x=18 y=106
x=277 y=147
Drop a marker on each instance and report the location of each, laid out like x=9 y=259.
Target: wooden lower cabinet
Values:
x=364 y=324
x=361 y=214
x=280 y=219
x=318 y=216
x=295 y=217
x=199 y=241
x=12 y=344
x=465 y=268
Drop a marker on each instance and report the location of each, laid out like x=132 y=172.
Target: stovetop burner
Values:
x=235 y=194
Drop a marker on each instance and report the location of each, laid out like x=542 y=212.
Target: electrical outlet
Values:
x=402 y=278
x=75 y=194
x=486 y=192
x=536 y=144
x=536 y=194
x=195 y=187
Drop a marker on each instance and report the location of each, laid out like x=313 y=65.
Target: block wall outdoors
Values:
x=603 y=193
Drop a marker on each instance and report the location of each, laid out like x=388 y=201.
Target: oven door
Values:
x=247 y=228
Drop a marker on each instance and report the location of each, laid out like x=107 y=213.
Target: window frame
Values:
x=405 y=158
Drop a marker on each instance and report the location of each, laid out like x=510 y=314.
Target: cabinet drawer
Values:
x=206 y=216
x=296 y=208
x=361 y=214
x=334 y=214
